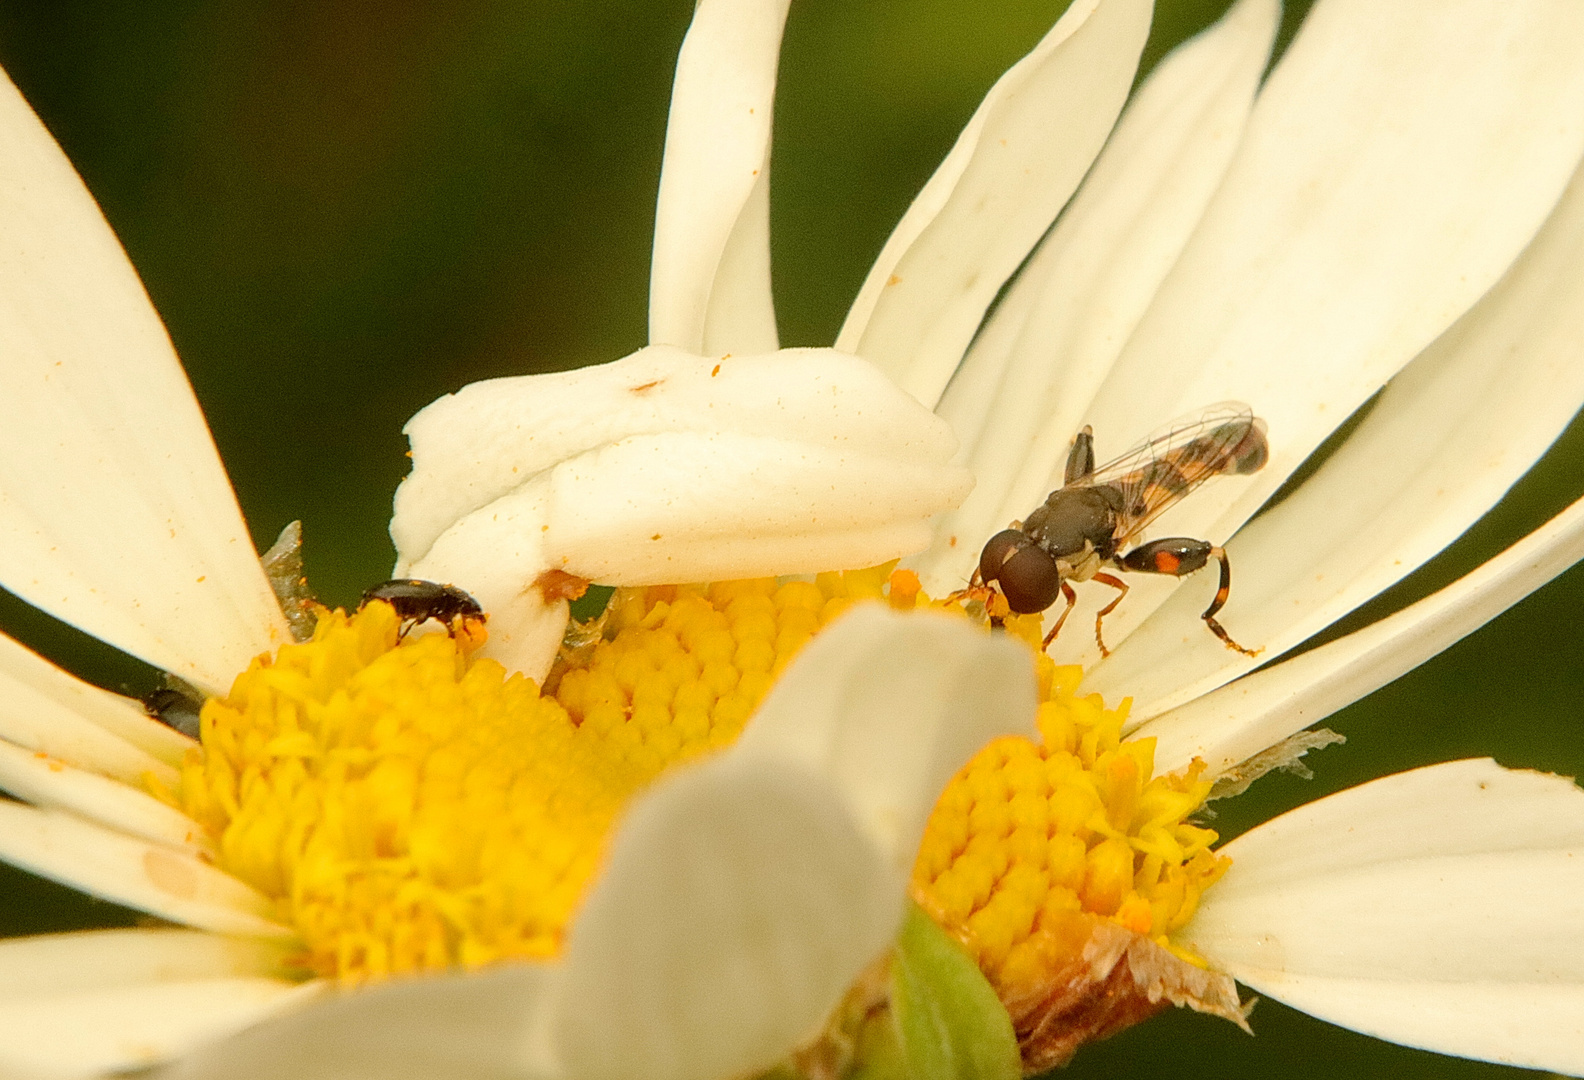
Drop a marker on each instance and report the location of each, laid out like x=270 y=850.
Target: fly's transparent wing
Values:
x=1154 y=475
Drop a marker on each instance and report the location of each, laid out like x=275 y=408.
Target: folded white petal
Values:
x=1014 y=166
x=1447 y=438
x=102 y=959
x=52 y=784
x=1244 y=717
x=666 y=467
x=889 y=706
x=712 y=226
x=115 y=513
x=1028 y=379
x=1394 y=166
x=1442 y=908
x=151 y=877
x=89 y=1033
x=651 y=509
x=472 y=447
x=44 y=709
x=740 y=900
x=497 y=554
x=476 y=1026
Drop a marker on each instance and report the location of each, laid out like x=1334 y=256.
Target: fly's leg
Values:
x=1180 y=556
x=1072 y=601
x=1220 y=555
x=1122 y=589
x=1080 y=459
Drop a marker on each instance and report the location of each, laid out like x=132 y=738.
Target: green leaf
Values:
x=949 y=1022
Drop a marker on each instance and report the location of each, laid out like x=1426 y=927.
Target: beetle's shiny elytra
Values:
x=1086 y=523
x=416 y=601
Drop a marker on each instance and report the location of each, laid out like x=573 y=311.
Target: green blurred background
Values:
x=345 y=208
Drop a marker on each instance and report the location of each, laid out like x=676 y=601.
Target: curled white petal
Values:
x=1439 y=908
x=489 y=438
x=498 y=553
x=665 y=467
x=1013 y=167
x=654 y=508
x=710 y=279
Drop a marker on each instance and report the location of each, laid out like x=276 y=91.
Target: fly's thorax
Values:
x=1080 y=566
x=1072 y=518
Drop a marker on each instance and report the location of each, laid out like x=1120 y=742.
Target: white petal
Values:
x=1442 y=908
x=147 y=876
x=743 y=896
x=741 y=318
x=115 y=513
x=712 y=233
x=666 y=467
x=472 y=447
x=51 y=784
x=1030 y=375
x=1013 y=167
x=1449 y=436
x=497 y=554
x=651 y=509
x=100 y=959
x=890 y=706
x=93 y=1032
x=1397 y=161
x=1244 y=717
x=44 y=709
x=734 y=557
x=739 y=902
x=454 y=1027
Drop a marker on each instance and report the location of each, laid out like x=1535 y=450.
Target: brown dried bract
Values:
x=1101 y=978
x=556 y=585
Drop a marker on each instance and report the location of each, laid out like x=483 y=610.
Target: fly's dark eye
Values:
x=996 y=552
x=1028 y=575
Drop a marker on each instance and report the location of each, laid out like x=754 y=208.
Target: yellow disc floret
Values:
x=1027 y=835
x=412 y=807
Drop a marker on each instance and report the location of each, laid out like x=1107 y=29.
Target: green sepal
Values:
x=591 y=605
x=945 y=1022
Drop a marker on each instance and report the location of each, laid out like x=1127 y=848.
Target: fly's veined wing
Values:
x=1220 y=439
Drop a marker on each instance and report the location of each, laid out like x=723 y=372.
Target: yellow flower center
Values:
x=1027 y=836
x=409 y=806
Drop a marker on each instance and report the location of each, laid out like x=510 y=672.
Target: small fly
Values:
x=1087 y=522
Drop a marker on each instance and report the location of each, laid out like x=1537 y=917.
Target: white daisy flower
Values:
x=1393 y=205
